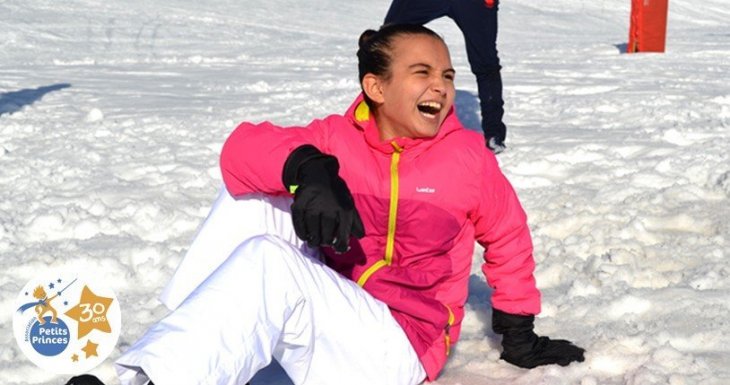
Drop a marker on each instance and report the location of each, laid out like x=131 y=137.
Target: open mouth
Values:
x=430 y=109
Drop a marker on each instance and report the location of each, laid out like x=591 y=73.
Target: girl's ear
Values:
x=371 y=85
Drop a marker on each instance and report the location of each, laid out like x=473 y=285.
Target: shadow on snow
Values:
x=13 y=101
x=467 y=110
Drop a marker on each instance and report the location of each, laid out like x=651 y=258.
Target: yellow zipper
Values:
x=447 y=337
x=392 y=214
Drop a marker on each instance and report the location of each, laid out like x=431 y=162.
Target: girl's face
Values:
x=414 y=100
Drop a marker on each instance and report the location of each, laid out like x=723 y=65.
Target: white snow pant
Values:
x=270 y=299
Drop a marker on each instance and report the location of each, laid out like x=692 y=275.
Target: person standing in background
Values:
x=477 y=20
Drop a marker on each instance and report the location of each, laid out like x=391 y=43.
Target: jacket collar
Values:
x=361 y=117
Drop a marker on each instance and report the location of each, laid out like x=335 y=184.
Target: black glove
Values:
x=523 y=348
x=323 y=211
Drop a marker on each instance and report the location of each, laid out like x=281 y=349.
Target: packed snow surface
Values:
x=112 y=115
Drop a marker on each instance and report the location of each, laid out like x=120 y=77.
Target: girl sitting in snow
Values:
x=388 y=193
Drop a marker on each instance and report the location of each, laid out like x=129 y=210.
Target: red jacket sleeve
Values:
x=501 y=227
x=253 y=156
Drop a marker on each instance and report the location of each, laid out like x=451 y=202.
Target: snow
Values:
x=112 y=115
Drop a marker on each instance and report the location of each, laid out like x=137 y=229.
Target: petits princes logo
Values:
x=65 y=323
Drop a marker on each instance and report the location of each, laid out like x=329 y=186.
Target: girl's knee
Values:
x=265 y=244
x=264 y=249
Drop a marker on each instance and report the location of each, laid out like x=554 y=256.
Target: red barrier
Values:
x=648 y=29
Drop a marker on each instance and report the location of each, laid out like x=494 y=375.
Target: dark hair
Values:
x=374 y=54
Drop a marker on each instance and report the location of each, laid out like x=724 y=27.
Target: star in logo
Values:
x=90 y=349
x=75 y=358
x=90 y=313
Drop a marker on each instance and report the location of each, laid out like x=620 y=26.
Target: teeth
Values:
x=430 y=109
x=434 y=105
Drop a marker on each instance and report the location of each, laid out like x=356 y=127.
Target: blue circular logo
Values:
x=65 y=323
x=49 y=338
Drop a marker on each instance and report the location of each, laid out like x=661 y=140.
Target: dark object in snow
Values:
x=84 y=379
x=523 y=348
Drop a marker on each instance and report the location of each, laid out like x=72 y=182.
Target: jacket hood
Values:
x=360 y=115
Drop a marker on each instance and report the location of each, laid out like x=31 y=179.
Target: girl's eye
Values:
x=449 y=77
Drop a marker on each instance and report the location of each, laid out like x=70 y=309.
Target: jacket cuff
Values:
x=505 y=323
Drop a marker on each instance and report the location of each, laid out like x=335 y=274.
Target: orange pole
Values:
x=648 y=27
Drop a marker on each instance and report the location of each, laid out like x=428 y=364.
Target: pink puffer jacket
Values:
x=423 y=203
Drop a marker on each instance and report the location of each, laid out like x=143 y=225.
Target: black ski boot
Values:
x=84 y=379
x=88 y=379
